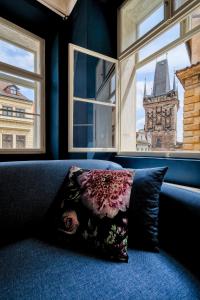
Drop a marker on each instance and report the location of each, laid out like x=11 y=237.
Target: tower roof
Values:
x=161 y=83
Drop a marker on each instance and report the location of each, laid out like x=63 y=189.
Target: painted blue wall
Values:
x=90 y=26
x=180 y=171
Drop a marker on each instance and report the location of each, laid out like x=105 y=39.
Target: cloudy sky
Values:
x=177 y=59
x=20 y=58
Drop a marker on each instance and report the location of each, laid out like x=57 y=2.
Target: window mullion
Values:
x=17 y=80
x=20 y=72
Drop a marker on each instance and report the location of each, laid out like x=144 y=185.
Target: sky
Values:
x=18 y=57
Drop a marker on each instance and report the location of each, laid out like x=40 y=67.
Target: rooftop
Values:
x=6 y=89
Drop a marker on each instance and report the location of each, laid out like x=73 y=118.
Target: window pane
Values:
x=151 y=21
x=93 y=78
x=137 y=18
x=168 y=100
x=20 y=141
x=191 y=21
x=20 y=114
x=94 y=125
x=179 y=3
x=7 y=141
x=161 y=41
x=18 y=48
x=16 y=56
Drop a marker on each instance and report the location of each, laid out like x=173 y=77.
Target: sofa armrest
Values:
x=179 y=223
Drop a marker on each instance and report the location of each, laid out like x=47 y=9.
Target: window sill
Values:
x=157 y=154
x=22 y=151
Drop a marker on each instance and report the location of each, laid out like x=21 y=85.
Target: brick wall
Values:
x=190 y=78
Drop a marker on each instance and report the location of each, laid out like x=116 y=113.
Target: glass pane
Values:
x=94 y=125
x=191 y=21
x=151 y=21
x=20 y=141
x=16 y=56
x=137 y=18
x=168 y=100
x=20 y=114
x=161 y=41
x=179 y=3
x=18 y=48
x=94 y=78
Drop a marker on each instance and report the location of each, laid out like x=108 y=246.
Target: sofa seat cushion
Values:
x=32 y=269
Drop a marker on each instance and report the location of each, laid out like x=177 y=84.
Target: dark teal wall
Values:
x=92 y=25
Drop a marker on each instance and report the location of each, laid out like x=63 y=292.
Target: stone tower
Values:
x=161 y=110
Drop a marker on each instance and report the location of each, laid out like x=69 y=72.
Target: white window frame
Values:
x=24 y=74
x=71 y=49
x=148 y=15
x=177 y=16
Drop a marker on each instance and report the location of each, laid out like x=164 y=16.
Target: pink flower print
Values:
x=106 y=192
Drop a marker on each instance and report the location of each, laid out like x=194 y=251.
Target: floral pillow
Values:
x=93 y=210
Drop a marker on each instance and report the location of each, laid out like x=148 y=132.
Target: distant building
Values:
x=161 y=110
x=143 y=141
x=16 y=125
x=190 y=79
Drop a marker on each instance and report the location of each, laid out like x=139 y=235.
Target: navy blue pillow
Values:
x=144 y=208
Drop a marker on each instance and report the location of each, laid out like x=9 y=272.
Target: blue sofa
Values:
x=33 y=268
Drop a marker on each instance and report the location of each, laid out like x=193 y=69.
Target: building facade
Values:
x=190 y=79
x=143 y=141
x=16 y=119
x=161 y=110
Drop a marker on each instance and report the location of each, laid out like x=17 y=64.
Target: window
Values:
x=178 y=3
x=20 y=141
x=137 y=18
x=161 y=41
x=157 y=81
x=20 y=112
x=22 y=88
x=93 y=101
x=7 y=111
x=160 y=91
x=150 y=21
x=7 y=141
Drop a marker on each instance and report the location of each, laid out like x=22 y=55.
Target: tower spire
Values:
x=161 y=83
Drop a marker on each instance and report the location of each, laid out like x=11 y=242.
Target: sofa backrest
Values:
x=28 y=189
x=180 y=223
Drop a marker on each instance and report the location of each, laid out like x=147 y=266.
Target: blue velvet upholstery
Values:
x=32 y=268
x=27 y=189
x=180 y=224
x=35 y=270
